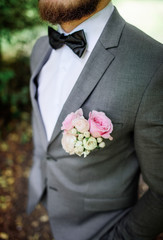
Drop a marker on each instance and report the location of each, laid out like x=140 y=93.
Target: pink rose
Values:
x=68 y=122
x=81 y=124
x=68 y=143
x=100 y=125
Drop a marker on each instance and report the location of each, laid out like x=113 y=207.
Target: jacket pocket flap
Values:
x=108 y=204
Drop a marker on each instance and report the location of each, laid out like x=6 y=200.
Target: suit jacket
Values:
x=123 y=78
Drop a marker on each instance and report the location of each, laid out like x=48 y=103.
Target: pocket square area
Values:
x=81 y=136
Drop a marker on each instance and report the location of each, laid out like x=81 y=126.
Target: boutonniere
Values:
x=81 y=136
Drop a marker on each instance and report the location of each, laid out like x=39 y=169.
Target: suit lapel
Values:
x=96 y=66
x=33 y=88
x=42 y=60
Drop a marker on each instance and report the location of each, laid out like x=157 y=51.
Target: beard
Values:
x=59 y=12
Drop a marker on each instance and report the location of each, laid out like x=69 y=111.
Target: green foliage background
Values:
x=16 y=17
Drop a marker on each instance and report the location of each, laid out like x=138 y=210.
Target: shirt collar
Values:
x=93 y=26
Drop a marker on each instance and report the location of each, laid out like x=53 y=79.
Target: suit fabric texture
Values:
x=123 y=77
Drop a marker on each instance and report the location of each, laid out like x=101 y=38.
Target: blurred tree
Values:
x=15 y=16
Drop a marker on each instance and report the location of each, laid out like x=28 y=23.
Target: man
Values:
x=119 y=73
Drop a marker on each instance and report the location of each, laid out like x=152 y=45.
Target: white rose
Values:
x=102 y=145
x=90 y=144
x=68 y=143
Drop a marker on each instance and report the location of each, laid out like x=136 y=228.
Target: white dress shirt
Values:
x=61 y=71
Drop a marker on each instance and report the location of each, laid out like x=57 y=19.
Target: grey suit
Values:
x=123 y=78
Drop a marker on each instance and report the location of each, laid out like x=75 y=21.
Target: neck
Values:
x=69 y=26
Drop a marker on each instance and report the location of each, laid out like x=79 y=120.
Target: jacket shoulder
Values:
x=143 y=44
x=142 y=55
x=38 y=50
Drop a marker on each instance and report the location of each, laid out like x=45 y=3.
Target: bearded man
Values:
x=101 y=65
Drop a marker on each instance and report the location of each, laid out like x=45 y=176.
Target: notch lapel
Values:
x=98 y=62
x=44 y=55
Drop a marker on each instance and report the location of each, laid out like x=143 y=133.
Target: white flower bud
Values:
x=87 y=134
x=110 y=138
x=102 y=145
x=73 y=131
x=78 y=143
x=79 y=150
x=99 y=139
x=86 y=152
x=80 y=137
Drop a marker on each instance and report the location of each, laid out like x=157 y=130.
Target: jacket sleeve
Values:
x=145 y=220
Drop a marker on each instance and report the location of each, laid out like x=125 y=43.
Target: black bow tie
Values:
x=76 y=41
